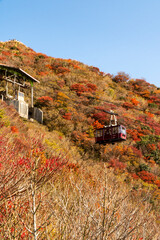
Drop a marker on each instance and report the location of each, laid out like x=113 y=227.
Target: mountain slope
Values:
x=73 y=96
x=60 y=196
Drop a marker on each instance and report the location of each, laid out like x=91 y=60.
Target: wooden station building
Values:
x=15 y=84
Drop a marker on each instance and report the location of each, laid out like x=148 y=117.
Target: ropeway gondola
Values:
x=111 y=133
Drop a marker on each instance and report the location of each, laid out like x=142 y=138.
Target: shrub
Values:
x=116 y=164
x=121 y=77
x=67 y=116
x=147 y=176
x=127 y=105
x=44 y=101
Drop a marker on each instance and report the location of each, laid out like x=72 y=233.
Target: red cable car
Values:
x=111 y=133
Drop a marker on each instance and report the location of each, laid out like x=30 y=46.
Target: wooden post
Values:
x=6 y=88
x=32 y=94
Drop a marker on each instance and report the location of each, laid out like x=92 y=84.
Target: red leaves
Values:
x=59 y=67
x=91 y=87
x=135 y=176
x=100 y=117
x=78 y=88
x=151 y=147
x=81 y=88
x=147 y=177
x=116 y=164
x=137 y=152
x=50 y=165
x=157 y=182
x=95 y=69
x=67 y=116
x=44 y=101
x=121 y=77
x=23 y=235
x=127 y=105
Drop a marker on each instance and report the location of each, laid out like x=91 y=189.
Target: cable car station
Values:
x=15 y=83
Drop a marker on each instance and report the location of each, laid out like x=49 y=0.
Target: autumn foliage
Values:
x=74 y=97
x=44 y=101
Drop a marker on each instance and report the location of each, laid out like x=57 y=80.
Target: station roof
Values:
x=18 y=71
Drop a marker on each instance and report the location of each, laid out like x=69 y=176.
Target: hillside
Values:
x=104 y=185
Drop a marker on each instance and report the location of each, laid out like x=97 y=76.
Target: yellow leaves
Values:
x=71 y=109
x=62 y=96
x=90 y=132
x=135 y=164
x=111 y=92
x=54 y=145
x=62 y=99
x=52 y=230
x=148 y=185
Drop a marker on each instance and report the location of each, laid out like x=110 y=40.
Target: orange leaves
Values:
x=145 y=94
x=49 y=66
x=76 y=66
x=97 y=125
x=62 y=70
x=135 y=134
x=134 y=101
x=72 y=167
x=150 y=114
x=6 y=53
x=43 y=73
x=14 y=129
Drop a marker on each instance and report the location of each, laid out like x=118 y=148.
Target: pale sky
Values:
x=114 y=35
